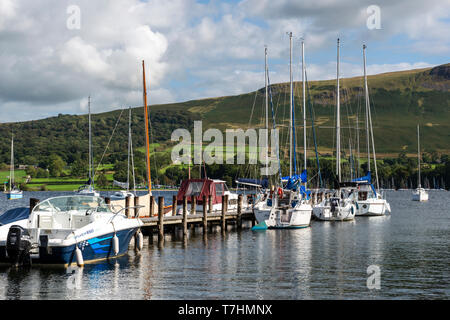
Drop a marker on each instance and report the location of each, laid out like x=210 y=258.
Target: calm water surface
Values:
x=325 y=261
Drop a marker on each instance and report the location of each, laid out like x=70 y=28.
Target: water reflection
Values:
x=325 y=261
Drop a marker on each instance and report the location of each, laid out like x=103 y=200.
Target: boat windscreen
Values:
x=68 y=203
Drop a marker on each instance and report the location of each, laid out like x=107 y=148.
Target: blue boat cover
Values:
x=367 y=178
x=13 y=215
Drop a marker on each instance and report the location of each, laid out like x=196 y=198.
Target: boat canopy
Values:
x=13 y=215
x=76 y=202
x=264 y=183
x=200 y=188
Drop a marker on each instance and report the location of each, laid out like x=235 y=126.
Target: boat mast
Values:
x=90 y=142
x=147 y=142
x=366 y=95
x=357 y=141
x=132 y=157
x=418 y=153
x=11 y=170
x=267 y=107
x=338 y=122
x=291 y=125
x=370 y=124
x=304 y=105
x=129 y=148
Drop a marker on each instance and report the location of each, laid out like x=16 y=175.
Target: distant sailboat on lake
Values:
x=13 y=192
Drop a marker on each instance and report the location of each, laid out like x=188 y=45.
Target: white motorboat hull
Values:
x=325 y=213
x=297 y=217
x=420 y=195
x=372 y=207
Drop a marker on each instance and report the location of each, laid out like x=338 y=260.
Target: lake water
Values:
x=325 y=261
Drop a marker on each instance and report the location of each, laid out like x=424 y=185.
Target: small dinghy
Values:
x=70 y=230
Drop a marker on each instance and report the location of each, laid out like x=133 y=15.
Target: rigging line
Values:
x=274 y=125
x=104 y=152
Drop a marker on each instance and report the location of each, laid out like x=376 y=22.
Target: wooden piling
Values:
x=127 y=204
x=185 y=216
x=174 y=204
x=151 y=206
x=224 y=208
x=239 y=212
x=33 y=203
x=136 y=204
x=161 y=220
x=193 y=205
x=210 y=204
x=205 y=215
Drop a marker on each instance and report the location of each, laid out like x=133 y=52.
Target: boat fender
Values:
x=280 y=193
x=139 y=240
x=115 y=244
x=79 y=255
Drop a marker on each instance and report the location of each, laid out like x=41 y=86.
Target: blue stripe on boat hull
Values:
x=93 y=249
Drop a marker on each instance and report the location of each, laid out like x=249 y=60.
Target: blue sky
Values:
x=196 y=49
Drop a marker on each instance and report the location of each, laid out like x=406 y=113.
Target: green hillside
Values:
x=399 y=101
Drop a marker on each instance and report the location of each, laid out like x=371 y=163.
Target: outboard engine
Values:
x=18 y=246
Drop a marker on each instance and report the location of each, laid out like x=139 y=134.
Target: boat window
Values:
x=219 y=189
x=362 y=195
x=68 y=203
x=194 y=189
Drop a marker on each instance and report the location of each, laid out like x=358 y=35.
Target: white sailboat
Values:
x=13 y=192
x=369 y=201
x=286 y=208
x=340 y=206
x=420 y=194
x=88 y=188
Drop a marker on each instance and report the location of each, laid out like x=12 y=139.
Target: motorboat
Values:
x=70 y=230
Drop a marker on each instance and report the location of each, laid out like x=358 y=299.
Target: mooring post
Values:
x=127 y=204
x=161 y=220
x=136 y=204
x=193 y=204
x=210 y=204
x=205 y=215
x=185 y=216
x=107 y=200
x=151 y=206
x=224 y=208
x=174 y=204
x=239 y=212
x=33 y=203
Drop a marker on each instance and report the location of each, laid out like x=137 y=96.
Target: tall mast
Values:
x=11 y=170
x=418 y=153
x=357 y=141
x=267 y=106
x=338 y=121
x=304 y=104
x=371 y=128
x=129 y=148
x=90 y=141
x=291 y=125
x=132 y=157
x=147 y=142
x=366 y=95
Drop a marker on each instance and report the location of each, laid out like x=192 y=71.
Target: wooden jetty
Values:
x=161 y=223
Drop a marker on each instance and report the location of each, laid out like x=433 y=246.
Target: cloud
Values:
x=196 y=49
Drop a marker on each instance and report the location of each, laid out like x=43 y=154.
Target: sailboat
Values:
x=420 y=194
x=122 y=194
x=88 y=188
x=369 y=201
x=13 y=192
x=287 y=206
x=338 y=207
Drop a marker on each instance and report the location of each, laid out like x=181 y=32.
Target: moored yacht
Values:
x=420 y=194
x=70 y=230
